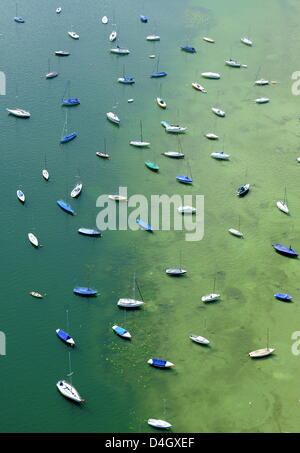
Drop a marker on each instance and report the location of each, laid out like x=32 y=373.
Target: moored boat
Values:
x=210 y=297
x=89 y=232
x=161 y=103
x=199 y=339
x=281 y=296
x=284 y=250
x=130 y=303
x=103 y=155
x=261 y=353
x=161 y=424
x=62 y=53
x=243 y=190
x=235 y=232
x=220 y=155
x=261 y=82
x=282 y=206
x=158 y=74
x=211 y=75
x=173 y=154
x=262 y=100
x=36 y=294
x=33 y=239
x=117 y=198
x=73 y=35
x=84 y=291
x=77 y=190
x=211 y=136
x=69 y=391
x=120 y=51
x=218 y=112
x=184 y=179
x=45 y=174
x=210 y=40
x=188 y=49
x=143 y=18
x=113 y=117
x=121 y=332
x=159 y=363
x=21 y=196
x=126 y=80
x=68 y=138
x=153 y=38
x=175 y=271
x=199 y=87
x=70 y=102
x=247 y=41
x=58 y=10
x=20 y=20
x=65 y=207
x=186 y=210
x=51 y=75
x=104 y=20
x=19 y=113
x=144 y=226
x=65 y=337
x=113 y=36
x=152 y=166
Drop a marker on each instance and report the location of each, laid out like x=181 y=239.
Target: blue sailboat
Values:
x=284 y=250
x=66 y=207
x=188 y=49
x=68 y=138
x=126 y=80
x=281 y=296
x=144 y=225
x=184 y=179
x=89 y=232
x=160 y=363
x=83 y=291
x=71 y=101
x=157 y=73
x=65 y=337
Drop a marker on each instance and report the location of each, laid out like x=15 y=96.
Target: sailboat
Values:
x=45 y=172
x=152 y=165
x=183 y=178
x=176 y=271
x=282 y=205
x=157 y=73
x=132 y=303
x=21 y=196
x=235 y=232
x=262 y=352
x=126 y=80
x=50 y=75
x=18 y=19
x=67 y=389
x=160 y=102
x=70 y=101
x=67 y=138
x=175 y=154
x=104 y=154
x=113 y=36
x=140 y=143
x=212 y=296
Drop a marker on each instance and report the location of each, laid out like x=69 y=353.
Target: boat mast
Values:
x=267 y=338
x=141 y=130
x=139 y=290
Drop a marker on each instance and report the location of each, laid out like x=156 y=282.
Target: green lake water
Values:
x=214 y=389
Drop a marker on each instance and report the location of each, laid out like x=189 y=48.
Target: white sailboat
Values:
x=33 y=239
x=19 y=113
x=140 y=143
x=212 y=296
x=282 y=205
x=132 y=303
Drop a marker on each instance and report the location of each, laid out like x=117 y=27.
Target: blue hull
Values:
x=284 y=250
x=281 y=296
x=82 y=291
x=144 y=225
x=73 y=101
x=68 y=138
x=158 y=74
x=184 y=179
x=188 y=49
x=66 y=207
x=64 y=336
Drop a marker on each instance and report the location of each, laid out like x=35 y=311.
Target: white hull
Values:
x=45 y=174
x=161 y=103
x=19 y=113
x=235 y=232
x=262 y=100
x=210 y=297
x=120 y=51
x=176 y=129
x=211 y=40
x=220 y=156
x=130 y=303
x=247 y=41
x=173 y=154
x=33 y=239
x=139 y=143
x=73 y=35
x=211 y=75
x=261 y=82
x=186 y=210
x=212 y=136
x=159 y=423
x=218 y=112
x=113 y=36
x=199 y=87
x=76 y=191
x=199 y=339
x=124 y=335
x=21 y=196
x=153 y=38
x=69 y=391
x=104 y=20
x=261 y=352
x=113 y=118
x=282 y=207
x=117 y=198
x=58 y=10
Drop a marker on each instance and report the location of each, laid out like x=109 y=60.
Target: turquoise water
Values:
x=216 y=389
